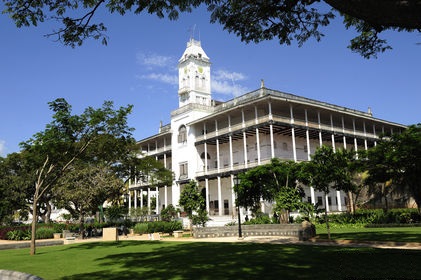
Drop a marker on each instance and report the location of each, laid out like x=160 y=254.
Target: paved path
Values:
x=7 y=244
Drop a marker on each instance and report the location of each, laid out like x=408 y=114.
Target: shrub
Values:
x=59 y=227
x=158 y=226
x=169 y=227
x=169 y=213
x=140 y=228
x=45 y=232
x=19 y=234
x=261 y=219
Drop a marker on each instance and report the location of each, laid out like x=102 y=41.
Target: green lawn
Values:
x=199 y=260
x=392 y=234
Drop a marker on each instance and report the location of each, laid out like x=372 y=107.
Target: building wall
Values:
x=223 y=139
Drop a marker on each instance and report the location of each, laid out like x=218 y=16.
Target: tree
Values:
x=252 y=21
x=395 y=162
x=193 y=204
x=328 y=169
x=275 y=181
x=69 y=138
x=14 y=187
x=84 y=187
x=169 y=213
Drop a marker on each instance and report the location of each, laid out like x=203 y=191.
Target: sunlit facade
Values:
x=210 y=141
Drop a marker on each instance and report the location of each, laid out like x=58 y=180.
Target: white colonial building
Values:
x=210 y=141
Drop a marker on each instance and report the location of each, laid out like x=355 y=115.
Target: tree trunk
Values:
x=351 y=202
x=327 y=224
x=327 y=221
x=34 y=226
x=82 y=226
x=48 y=213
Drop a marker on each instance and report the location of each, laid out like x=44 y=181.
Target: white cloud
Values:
x=154 y=60
x=160 y=68
x=225 y=82
x=160 y=77
x=225 y=75
x=2 y=147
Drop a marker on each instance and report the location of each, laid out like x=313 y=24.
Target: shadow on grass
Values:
x=178 y=260
x=381 y=236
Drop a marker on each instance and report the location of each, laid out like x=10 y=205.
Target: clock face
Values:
x=200 y=69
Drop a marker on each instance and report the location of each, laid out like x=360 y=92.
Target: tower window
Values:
x=183 y=170
x=182 y=134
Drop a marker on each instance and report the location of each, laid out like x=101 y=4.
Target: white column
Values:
x=234 y=206
x=231 y=155
x=218 y=163
x=243 y=123
x=258 y=146
x=327 y=203
x=365 y=137
x=375 y=135
x=220 y=202
x=272 y=145
x=256 y=121
x=166 y=196
x=206 y=158
x=245 y=149
x=312 y=196
x=355 y=138
x=307 y=136
x=135 y=199
x=141 y=198
x=230 y=144
x=175 y=193
x=320 y=130
x=294 y=146
x=130 y=201
x=149 y=201
x=157 y=201
x=343 y=131
x=207 y=194
x=333 y=134
x=272 y=148
x=338 y=196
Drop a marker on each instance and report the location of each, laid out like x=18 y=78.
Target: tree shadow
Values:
x=187 y=260
x=398 y=238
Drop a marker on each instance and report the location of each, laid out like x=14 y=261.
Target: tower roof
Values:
x=194 y=49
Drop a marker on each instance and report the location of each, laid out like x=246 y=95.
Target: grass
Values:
x=198 y=260
x=392 y=234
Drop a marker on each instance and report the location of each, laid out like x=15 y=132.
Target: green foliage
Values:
x=138 y=213
x=18 y=234
x=252 y=21
x=157 y=226
x=45 y=232
x=375 y=216
x=140 y=228
x=193 y=204
x=272 y=182
x=169 y=213
x=261 y=219
x=115 y=213
x=394 y=163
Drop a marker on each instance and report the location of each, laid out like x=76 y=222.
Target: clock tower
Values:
x=194 y=76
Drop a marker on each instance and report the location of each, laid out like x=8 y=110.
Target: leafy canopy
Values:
x=253 y=21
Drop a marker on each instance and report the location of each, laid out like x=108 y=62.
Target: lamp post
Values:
x=126 y=202
x=237 y=182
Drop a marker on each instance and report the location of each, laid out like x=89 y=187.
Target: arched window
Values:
x=202 y=156
x=182 y=134
x=285 y=146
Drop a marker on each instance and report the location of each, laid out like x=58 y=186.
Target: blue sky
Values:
x=139 y=67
